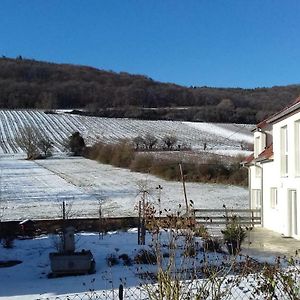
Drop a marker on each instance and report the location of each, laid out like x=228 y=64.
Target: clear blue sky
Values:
x=223 y=43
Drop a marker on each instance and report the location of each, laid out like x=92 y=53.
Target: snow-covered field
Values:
x=36 y=189
x=218 y=137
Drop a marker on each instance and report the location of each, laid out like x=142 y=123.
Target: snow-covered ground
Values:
x=36 y=189
x=224 y=137
x=28 y=280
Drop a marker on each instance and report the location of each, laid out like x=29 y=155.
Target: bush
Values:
x=122 y=154
x=76 y=144
x=142 y=163
x=233 y=235
x=127 y=261
x=145 y=257
x=112 y=260
x=212 y=245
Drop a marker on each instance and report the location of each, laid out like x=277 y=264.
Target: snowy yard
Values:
x=29 y=279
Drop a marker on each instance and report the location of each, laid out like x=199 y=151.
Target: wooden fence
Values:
x=246 y=217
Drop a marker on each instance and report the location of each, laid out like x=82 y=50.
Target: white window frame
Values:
x=297 y=148
x=284 y=151
x=256 y=146
x=256 y=198
x=273 y=197
x=258 y=171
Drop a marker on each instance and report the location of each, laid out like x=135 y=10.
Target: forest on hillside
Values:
x=26 y=83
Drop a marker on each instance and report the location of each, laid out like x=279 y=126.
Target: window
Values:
x=284 y=150
x=258 y=171
x=273 y=197
x=256 y=199
x=256 y=146
x=297 y=148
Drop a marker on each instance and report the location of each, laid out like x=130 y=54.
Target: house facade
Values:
x=274 y=171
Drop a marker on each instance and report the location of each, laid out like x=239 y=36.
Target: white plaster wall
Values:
x=271 y=216
x=278 y=219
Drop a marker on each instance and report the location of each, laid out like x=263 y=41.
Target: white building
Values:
x=274 y=171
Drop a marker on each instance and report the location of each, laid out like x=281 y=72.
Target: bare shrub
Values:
x=142 y=163
x=127 y=261
x=145 y=257
x=112 y=260
x=122 y=154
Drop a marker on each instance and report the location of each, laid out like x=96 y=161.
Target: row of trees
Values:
x=150 y=142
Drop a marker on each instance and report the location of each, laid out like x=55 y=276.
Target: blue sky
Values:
x=222 y=43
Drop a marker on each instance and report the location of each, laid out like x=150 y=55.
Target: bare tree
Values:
x=33 y=142
x=27 y=140
x=45 y=145
x=169 y=141
x=139 y=142
x=150 y=141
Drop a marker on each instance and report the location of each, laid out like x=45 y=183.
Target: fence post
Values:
x=121 y=292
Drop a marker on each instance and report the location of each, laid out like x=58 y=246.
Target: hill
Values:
x=28 y=83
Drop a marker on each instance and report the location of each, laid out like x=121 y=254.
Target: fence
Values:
x=250 y=287
x=134 y=293
x=247 y=217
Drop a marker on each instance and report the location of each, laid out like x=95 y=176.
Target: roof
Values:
x=291 y=108
x=262 y=124
x=248 y=159
x=266 y=154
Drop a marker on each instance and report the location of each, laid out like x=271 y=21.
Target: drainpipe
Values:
x=261 y=194
x=249 y=183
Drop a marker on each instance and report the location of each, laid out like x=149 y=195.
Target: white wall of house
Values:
x=271 y=207
x=283 y=174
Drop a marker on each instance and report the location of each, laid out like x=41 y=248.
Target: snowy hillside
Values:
x=61 y=125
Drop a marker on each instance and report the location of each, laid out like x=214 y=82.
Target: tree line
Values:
x=26 y=83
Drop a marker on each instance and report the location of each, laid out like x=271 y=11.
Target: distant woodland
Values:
x=28 y=83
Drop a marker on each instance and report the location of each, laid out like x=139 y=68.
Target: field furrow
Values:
x=217 y=137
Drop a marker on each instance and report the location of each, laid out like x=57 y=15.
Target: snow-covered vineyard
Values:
x=60 y=125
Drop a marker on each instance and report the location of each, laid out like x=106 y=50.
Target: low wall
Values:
x=82 y=224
